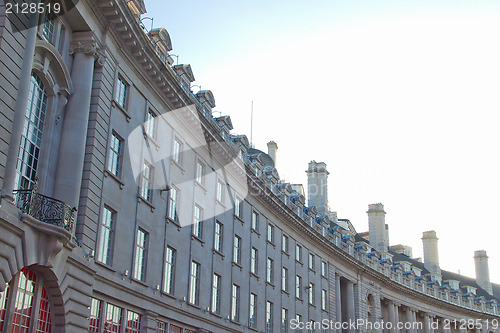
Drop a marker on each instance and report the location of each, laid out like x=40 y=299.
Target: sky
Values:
x=399 y=98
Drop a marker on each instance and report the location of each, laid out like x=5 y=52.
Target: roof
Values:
x=446 y=275
x=268 y=161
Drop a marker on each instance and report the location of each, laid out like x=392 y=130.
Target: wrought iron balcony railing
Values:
x=46 y=209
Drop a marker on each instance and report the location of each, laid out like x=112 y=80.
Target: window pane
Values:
x=169 y=278
x=140 y=255
x=113 y=318
x=31 y=137
x=106 y=236
x=95 y=315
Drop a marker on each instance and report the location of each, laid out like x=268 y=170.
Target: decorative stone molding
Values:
x=86 y=42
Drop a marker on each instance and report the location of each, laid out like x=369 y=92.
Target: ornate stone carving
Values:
x=86 y=46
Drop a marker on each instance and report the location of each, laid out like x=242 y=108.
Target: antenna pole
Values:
x=251 y=127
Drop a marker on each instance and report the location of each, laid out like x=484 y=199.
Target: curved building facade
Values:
x=127 y=207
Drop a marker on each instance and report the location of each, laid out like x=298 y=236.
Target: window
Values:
x=31 y=137
x=121 y=94
x=95 y=315
x=284 y=320
x=284 y=279
x=141 y=253
x=200 y=172
x=270 y=233
x=284 y=244
x=147 y=175
x=133 y=322
x=238 y=207
x=235 y=303
x=220 y=191
x=254 y=261
x=311 y=261
x=298 y=253
x=323 y=268
x=269 y=317
x=255 y=221
x=169 y=278
x=298 y=287
x=106 y=236
x=150 y=126
x=252 y=323
x=197 y=221
x=48 y=27
x=219 y=229
x=27 y=301
x=216 y=294
x=237 y=250
x=113 y=318
x=311 y=293
x=270 y=270
x=323 y=299
x=177 y=151
x=115 y=155
x=194 y=283
x=298 y=319
x=62 y=32
x=173 y=200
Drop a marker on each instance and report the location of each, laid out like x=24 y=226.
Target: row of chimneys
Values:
x=317 y=186
x=379 y=239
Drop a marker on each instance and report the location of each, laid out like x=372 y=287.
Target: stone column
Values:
x=409 y=319
x=20 y=106
x=74 y=133
x=396 y=317
x=428 y=328
x=338 y=298
x=392 y=316
x=351 y=314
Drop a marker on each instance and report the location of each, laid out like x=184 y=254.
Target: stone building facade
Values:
x=127 y=207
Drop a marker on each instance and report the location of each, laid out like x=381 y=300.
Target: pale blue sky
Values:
x=399 y=98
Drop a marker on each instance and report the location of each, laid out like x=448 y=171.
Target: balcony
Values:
x=45 y=209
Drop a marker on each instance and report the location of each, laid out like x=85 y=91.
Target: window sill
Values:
x=299 y=299
x=312 y=305
x=215 y=251
x=270 y=284
x=312 y=270
x=239 y=219
x=151 y=139
x=193 y=236
x=107 y=173
x=175 y=223
x=255 y=232
x=271 y=243
x=285 y=292
x=237 y=265
x=194 y=306
x=119 y=107
x=105 y=266
x=285 y=253
x=220 y=203
x=174 y=162
x=235 y=322
x=255 y=275
x=141 y=199
x=299 y=262
x=139 y=282
x=201 y=186
x=168 y=295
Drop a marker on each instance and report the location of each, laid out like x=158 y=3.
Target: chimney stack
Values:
x=272 y=149
x=377 y=227
x=317 y=186
x=431 y=254
x=482 y=271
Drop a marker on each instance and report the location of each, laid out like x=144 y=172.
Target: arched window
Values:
x=31 y=139
x=25 y=304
